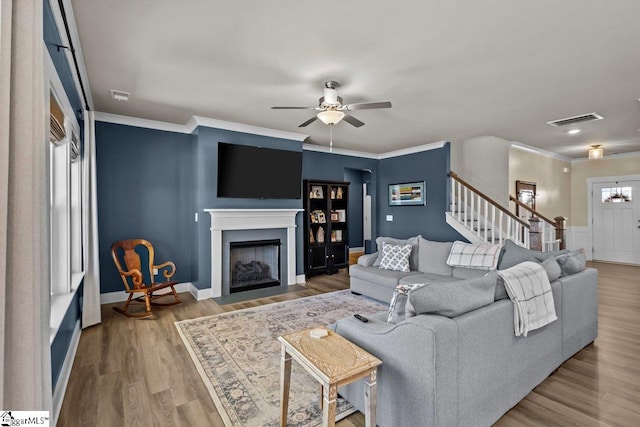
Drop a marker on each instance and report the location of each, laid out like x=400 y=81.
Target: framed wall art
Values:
x=407 y=194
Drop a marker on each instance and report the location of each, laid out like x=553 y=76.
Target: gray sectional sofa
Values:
x=470 y=369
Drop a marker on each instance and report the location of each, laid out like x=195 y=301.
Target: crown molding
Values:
x=240 y=127
x=341 y=151
x=366 y=155
x=141 y=123
x=412 y=150
x=195 y=122
x=540 y=151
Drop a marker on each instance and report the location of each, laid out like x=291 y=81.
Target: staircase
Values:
x=482 y=220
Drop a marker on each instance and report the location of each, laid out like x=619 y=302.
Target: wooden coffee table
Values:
x=332 y=361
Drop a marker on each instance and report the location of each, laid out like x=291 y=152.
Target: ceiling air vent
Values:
x=576 y=119
x=120 y=95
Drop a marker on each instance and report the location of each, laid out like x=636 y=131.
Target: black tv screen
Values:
x=258 y=173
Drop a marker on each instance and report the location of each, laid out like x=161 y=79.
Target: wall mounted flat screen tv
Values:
x=258 y=173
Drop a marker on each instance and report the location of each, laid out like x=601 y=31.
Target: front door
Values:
x=616 y=221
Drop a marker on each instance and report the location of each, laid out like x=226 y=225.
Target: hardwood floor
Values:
x=138 y=373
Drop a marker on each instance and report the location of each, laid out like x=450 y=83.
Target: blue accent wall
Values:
x=205 y=165
x=432 y=166
x=151 y=184
x=145 y=187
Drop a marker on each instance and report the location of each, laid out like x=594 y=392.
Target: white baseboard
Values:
x=300 y=279
x=119 y=296
x=200 y=294
x=65 y=372
x=579 y=238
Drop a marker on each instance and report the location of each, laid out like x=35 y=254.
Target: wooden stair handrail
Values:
x=528 y=208
x=487 y=198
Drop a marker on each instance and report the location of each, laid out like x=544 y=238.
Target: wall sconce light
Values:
x=596 y=152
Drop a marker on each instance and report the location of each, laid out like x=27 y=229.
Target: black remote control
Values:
x=361 y=318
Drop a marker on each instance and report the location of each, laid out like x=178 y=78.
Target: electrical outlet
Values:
x=389 y=217
x=155 y=271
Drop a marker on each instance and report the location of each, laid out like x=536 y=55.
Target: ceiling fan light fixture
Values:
x=596 y=152
x=330 y=117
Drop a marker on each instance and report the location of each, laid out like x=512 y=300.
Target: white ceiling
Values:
x=452 y=69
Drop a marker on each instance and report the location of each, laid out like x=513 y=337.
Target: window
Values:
x=616 y=195
x=65 y=199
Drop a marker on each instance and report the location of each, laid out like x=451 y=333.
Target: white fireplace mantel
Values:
x=250 y=219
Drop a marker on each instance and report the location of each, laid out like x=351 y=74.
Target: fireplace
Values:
x=244 y=220
x=254 y=264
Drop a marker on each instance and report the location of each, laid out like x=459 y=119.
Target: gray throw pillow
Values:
x=432 y=257
x=512 y=254
x=413 y=241
x=452 y=299
x=572 y=262
x=551 y=266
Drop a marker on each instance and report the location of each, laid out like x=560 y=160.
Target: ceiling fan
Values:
x=332 y=110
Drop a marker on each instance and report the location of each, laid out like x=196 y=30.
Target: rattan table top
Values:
x=332 y=357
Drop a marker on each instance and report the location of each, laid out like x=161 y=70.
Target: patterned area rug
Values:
x=238 y=356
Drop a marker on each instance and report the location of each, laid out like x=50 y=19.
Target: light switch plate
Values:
x=389 y=217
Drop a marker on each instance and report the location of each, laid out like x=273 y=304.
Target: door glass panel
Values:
x=616 y=194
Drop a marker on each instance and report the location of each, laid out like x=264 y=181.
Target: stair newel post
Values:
x=561 y=223
x=535 y=235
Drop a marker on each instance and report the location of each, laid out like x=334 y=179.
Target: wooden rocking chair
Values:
x=134 y=260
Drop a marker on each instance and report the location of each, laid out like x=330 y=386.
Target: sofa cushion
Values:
x=395 y=257
x=454 y=298
x=467 y=273
x=571 y=263
x=386 y=278
x=551 y=266
x=512 y=254
x=480 y=256
x=428 y=278
x=398 y=302
x=432 y=257
x=413 y=241
x=367 y=260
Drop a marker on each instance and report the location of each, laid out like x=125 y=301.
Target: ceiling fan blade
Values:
x=367 y=105
x=308 y=122
x=353 y=121
x=293 y=108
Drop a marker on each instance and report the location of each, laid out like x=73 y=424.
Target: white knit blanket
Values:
x=528 y=287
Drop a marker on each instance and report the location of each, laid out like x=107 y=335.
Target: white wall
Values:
x=484 y=163
x=553 y=185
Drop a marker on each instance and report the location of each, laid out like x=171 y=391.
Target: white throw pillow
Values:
x=483 y=257
x=395 y=257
